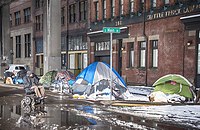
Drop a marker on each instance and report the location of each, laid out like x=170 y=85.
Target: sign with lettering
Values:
x=111 y=30
x=173 y=12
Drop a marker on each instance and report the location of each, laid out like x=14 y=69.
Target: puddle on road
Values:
x=53 y=117
x=50 y=117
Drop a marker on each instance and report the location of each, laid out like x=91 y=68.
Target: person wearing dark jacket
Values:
x=31 y=82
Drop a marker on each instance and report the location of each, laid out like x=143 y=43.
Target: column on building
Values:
x=5 y=38
x=52 y=36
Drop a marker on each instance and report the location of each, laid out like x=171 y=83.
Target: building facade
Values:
x=74 y=35
x=21 y=32
x=41 y=18
x=157 y=37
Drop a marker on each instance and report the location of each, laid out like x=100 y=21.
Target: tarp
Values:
x=51 y=76
x=48 y=78
x=98 y=74
x=174 y=84
x=98 y=71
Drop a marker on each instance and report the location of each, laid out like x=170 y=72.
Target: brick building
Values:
x=157 y=37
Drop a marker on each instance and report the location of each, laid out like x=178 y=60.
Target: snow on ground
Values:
x=188 y=115
x=142 y=90
x=139 y=93
x=180 y=114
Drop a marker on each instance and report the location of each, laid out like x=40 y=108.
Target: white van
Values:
x=14 y=68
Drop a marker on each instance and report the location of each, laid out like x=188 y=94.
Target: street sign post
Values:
x=111 y=30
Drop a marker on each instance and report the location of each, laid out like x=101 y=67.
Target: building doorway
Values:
x=39 y=64
x=105 y=59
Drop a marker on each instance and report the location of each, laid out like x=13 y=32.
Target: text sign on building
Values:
x=111 y=30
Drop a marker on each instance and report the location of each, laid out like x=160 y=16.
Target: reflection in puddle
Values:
x=49 y=117
x=71 y=116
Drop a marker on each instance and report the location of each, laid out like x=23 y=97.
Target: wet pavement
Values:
x=60 y=112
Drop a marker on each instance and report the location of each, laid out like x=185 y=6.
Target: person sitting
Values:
x=31 y=82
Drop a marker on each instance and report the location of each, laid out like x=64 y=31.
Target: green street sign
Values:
x=111 y=30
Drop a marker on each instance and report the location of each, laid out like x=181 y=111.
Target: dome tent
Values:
x=97 y=76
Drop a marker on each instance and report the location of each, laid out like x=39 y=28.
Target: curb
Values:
x=11 y=85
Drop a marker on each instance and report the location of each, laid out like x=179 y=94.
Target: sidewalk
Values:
x=19 y=86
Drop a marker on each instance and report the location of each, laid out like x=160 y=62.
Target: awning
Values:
x=190 y=16
x=192 y=22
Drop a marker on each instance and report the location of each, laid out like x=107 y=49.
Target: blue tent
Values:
x=95 y=73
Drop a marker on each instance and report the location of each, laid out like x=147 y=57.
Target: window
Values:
x=153 y=3
x=113 y=8
x=121 y=7
x=39 y=46
x=85 y=60
x=76 y=43
x=27 y=45
x=166 y=2
x=37 y=19
x=63 y=44
x=39 y=3
x=102 y=46
x=83 y=10
x=72 y=13
x=131 y=55
x=18 y=46
x=154 y=44
x=141 y=5
x=39 y=22
x=132 y=4
x=11 y=20
x=27 y=15
x=96 y=10
x=17 y=18
x=63 y=60
x=72 y=61
x=104 y=9
x=142 y=54
x=62 y=16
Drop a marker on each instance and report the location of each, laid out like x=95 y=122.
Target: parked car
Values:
x=14 y=68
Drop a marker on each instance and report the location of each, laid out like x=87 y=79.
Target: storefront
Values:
x=100 y=47
x=77 y=53
x=192 y=27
